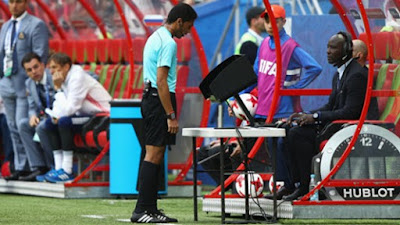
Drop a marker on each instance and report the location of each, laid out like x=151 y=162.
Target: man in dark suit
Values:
x=346 y=101
x=21 y=34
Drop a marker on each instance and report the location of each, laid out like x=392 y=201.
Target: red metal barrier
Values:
x=53 y=19
x=344 y=17
x=139 y=14
x=96 y=19
x=130 y=46
x=4 y=8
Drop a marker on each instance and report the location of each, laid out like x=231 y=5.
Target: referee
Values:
x=158 y=108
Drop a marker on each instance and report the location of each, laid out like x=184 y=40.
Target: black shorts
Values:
x=155 y=119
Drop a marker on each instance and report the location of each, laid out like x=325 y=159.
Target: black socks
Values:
x=148 y=187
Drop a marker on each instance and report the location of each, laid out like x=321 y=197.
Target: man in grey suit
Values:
x=22 y=34
x=40 y=91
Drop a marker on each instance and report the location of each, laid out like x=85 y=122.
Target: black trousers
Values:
x=301 y=146
x=61 y=135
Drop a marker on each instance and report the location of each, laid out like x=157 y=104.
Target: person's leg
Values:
x=68 y=127
x=147 y=199
x=33 y=150
x=63 y=155
x=301 y=148
x=282 y=172
x=45 y=143
x=50 y=141
x=12 y=112
x=282 y=162
x=6 y=139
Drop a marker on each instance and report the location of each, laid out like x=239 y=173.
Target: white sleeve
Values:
x=77 y=90
x=58 y=106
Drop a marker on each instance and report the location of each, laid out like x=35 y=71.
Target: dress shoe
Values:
x=295 y=195
x=16 y=175
x=32 y=176
x=281 y=192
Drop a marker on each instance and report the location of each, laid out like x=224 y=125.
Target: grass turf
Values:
x=18 y=209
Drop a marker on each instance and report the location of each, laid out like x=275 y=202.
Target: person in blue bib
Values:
x=299 y=69
x=158 y=108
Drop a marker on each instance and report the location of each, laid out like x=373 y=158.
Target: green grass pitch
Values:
x=18 y=209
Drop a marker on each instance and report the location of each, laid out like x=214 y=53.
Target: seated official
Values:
x=40 y=93
x=79 y=97
x=346 y=101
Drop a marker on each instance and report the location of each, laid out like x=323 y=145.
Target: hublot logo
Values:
x=369 y=193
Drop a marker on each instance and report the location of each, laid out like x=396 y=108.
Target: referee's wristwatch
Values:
x=316 y=117
x=171 y=115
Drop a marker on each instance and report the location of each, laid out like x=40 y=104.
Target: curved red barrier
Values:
x=53 y=19
x=139 y=14
x=130 y=46
x=4 y=8
x=344 y=17
x=96 y=19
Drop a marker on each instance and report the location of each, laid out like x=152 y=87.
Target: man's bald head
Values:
x=360 y=51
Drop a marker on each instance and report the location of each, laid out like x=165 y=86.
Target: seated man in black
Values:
x=346 y=101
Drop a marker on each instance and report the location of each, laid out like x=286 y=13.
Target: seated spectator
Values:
x=79 y=96
x=360 y=53
x=40 y=93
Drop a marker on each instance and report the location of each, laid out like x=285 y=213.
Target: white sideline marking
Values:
x=93 y=216
x=124 y=220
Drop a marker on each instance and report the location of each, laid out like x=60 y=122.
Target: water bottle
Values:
x=313 y=197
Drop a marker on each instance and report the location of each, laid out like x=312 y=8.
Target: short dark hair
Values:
x=60 y=58
x=28 y=57
x=183 y=11
x=253 y=12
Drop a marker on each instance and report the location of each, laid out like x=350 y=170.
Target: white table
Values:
x=245 y=132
